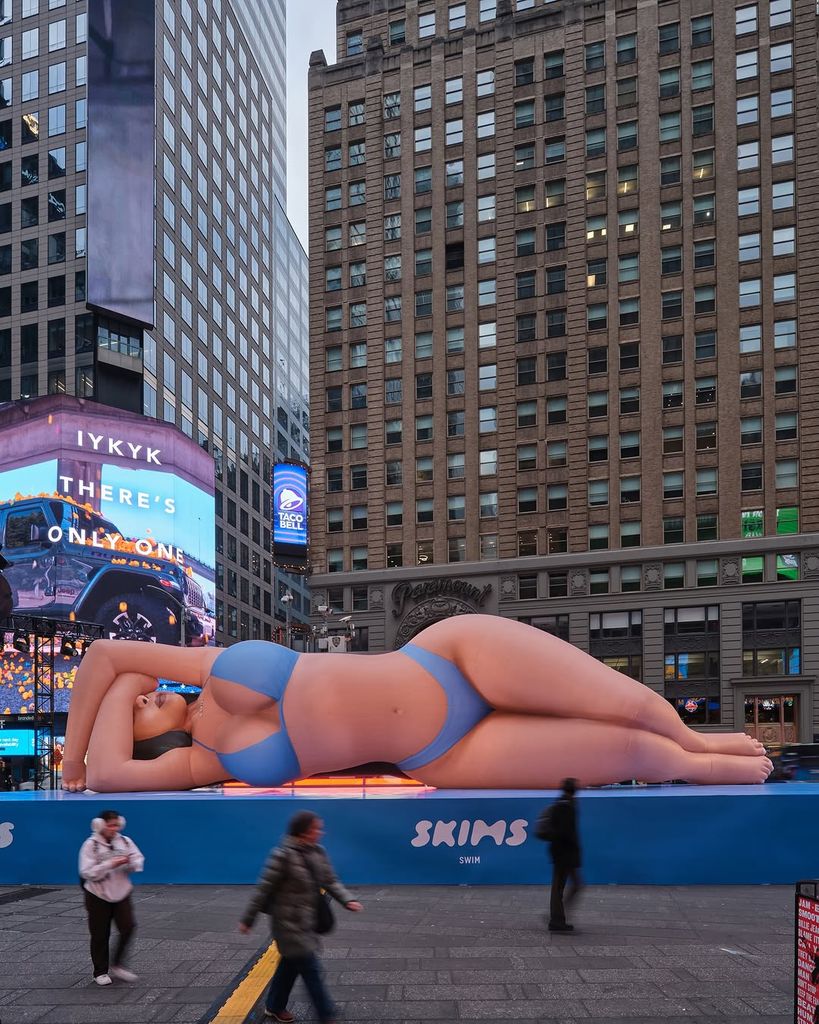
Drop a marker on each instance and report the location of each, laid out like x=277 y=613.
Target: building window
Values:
x=426 y=25
x=457 y=17
x=454 y=90
x=748 y=156
x=781 y=57
x=355 y=43
x=782 y=149
x=454 y=132
x=626 y=49
x=527 y=500
x=626 y=92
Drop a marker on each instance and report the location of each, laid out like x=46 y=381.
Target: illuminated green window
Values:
x=787 y=568
x=787 y=519
x=753 y=569
x=752 y=523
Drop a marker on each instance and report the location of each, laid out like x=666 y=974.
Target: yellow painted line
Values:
x=242 y=1000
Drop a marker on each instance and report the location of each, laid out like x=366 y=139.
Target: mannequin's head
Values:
x=160 y=724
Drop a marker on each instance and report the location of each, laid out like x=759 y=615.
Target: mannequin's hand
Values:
x=74 y=776
x=135 y=682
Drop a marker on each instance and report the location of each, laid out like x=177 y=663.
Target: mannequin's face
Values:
x=158 y=713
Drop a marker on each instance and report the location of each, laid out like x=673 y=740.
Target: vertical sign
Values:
x=806 y=972
x=290 y=515
x=121 y=157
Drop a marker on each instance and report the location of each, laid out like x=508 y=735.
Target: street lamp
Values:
x=286 y=599
x=172 y=618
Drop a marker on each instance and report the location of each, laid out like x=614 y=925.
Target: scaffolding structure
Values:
x=42 y=638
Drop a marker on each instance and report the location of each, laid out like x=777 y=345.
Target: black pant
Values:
x=100 y=915
x=561 y=874
x=309 y=967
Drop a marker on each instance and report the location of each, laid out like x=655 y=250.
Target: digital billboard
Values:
x=291 y=488
x=121 y=157
x=16 y=742
x=106 y=517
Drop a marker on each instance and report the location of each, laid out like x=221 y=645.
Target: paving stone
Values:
x=674 y=955
x=633 y=1009
x=535 y=1009
x=424 y=1011
x=383 y=977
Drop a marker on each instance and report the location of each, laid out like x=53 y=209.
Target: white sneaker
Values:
x=121 y=974
x=102 y=979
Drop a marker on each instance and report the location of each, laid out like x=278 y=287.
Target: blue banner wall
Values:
x=665 y=836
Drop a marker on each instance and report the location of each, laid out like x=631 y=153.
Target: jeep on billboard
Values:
x=64 y=560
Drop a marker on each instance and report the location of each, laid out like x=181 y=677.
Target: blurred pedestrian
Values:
x=290 y=890
x=558 y=827
x=107 y=859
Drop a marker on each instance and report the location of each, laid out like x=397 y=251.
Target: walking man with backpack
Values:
x=557 y=826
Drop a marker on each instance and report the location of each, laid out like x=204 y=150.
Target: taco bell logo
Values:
x=290 y=504
x=289 y=501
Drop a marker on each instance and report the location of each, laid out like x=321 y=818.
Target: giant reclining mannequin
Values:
x=476 y=701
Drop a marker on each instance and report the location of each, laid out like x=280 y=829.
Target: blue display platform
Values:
x=664 y=835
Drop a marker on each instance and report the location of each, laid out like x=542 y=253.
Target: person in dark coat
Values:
x=288 y=890
x=565 y=851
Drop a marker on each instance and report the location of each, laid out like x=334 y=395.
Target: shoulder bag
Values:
x=325 y=918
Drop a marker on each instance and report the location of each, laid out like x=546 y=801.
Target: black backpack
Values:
x=545 y=827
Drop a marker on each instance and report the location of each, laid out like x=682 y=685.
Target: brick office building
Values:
x=564 y=335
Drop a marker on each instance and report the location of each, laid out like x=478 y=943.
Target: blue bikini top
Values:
x=266 y=668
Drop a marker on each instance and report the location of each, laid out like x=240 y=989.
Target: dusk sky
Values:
x=311 y=25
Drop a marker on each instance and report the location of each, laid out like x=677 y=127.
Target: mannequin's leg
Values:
x=527 y=752
x=523 y=670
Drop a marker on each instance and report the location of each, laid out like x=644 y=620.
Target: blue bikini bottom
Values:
x=464 y=706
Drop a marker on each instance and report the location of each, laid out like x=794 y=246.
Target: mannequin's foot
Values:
x=727 y=769
x=734 y=743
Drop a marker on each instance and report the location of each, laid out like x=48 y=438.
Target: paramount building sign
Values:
x=404 y=593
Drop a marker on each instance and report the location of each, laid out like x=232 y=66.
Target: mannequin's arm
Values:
x=111 y=767
x=104 y=661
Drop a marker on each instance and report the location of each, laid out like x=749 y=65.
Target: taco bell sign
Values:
x=290 y=508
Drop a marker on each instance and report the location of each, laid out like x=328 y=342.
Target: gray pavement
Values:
x=421 y=954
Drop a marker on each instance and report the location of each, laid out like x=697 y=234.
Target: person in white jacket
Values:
x=107 y=860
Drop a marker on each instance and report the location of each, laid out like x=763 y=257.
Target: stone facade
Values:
x=563 y=336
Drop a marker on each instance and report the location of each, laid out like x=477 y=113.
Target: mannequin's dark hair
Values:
x=156 y=746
